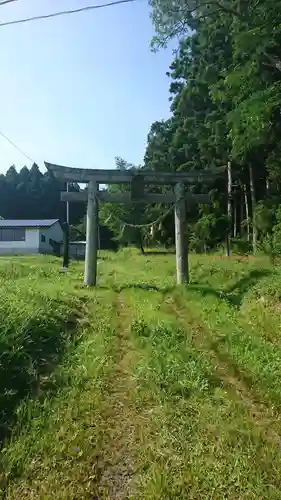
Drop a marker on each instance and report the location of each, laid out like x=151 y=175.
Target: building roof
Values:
x=27 y=222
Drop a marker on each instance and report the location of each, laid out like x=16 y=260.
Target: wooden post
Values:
x=229 y=208
x=235 y=215
x=181 y=236
x=90 y=275
x=67 y=204
x=65 y=245
x=267 y=187
x=253 y=200
x=247 y=211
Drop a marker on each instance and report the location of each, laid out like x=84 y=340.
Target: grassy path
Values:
x=237 y=384
x=167 y=394
x=120 y=416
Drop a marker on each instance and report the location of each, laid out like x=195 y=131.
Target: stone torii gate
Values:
x=137 y=179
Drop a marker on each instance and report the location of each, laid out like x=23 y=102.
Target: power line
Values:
x=7 y=1
x=64 y=12
x=15 y=146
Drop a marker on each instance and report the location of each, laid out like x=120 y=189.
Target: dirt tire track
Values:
x=236 y=386
x=118 y=465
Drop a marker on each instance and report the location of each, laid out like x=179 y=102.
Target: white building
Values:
x=19 y=237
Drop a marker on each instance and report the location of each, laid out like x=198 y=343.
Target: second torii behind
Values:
x=138 y=179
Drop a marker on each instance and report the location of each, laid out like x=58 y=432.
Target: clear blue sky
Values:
x=82 y=89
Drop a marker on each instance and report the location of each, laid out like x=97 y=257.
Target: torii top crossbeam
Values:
x=82 y=175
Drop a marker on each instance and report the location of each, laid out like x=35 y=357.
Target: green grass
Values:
x=140 y=389
x=38 y=319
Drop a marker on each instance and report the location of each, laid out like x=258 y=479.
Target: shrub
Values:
x=240 y=246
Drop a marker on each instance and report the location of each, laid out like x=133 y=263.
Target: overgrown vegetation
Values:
x=161 y=392
x=38 y=319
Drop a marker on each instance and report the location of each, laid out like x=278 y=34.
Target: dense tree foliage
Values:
x=225 y=101
x=29 y=194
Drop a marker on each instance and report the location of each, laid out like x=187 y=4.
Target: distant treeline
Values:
x=30 y=194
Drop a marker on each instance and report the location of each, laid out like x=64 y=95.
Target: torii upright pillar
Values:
x=92 y=221
x=181 y=235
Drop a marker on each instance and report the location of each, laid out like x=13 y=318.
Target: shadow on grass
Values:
x=145 y=287
x=234 y=294
x=161 y=252
x=28 y=357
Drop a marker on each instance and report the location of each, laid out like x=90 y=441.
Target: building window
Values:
x=43 y=238
x=12 y=234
